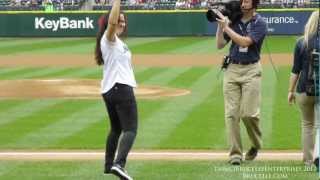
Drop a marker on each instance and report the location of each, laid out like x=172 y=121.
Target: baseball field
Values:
x=50 y=102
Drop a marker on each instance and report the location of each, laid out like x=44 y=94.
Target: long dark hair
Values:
x=103 y=24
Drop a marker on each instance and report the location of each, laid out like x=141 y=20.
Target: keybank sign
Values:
x=43 y=23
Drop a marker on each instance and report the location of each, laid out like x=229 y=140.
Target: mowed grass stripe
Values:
x=148 y=73
x=91 y=136
x=8 y=104
x=72 y=122
x=133 y=41
x=78 y=73
x=4 y=70
x=6 y=168
x=158 y=170
x=46 y=72
x=166 y=76
x=285 y=118
x=63 y=73
x=205 y=45
x=29 y=41
x=36 y=73
x=183 y=45
x=53 y=72
x=206 y=120
x=269 y=82
x=156 y=128
x=13 y=131
x=164 y=46
x=44 y=170
x=76 y=49
x=188 y=77
x=39 y=46
x=279 y=44
x=94 y=135
x=24 y=108
x=16 y=73
x=88 y=48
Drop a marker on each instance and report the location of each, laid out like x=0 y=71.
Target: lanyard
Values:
x=244 y=31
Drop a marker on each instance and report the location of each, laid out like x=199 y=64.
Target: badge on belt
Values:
x=243 y=49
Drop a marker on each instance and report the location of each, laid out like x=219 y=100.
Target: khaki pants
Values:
x=242 y=96
x=307 y=105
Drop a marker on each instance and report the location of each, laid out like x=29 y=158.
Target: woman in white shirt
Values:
x=117 y=90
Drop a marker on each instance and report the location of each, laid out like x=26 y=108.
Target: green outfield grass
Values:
x=167 y=45
x=195 y=121
x=155 y=170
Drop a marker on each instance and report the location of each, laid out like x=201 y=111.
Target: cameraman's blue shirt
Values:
x=256 y=29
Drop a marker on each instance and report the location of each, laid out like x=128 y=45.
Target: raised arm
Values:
x=223 y=23
x=220 y=41
x=113 y=20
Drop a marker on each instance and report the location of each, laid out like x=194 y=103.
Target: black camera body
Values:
x=230 y=9
x=312 y=86
x=225 y=63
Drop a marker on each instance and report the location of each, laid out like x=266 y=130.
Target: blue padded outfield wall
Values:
x=279 y=23
x=141 y=23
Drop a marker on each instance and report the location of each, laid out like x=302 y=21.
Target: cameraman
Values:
x=242 y=79
x=300 y=74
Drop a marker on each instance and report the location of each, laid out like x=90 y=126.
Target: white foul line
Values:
x=147 y=155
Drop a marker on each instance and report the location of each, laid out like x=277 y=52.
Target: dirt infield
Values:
x=75 y=89
x=145 y=155
x=153 y=60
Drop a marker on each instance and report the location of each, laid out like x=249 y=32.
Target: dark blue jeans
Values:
x=122 y=109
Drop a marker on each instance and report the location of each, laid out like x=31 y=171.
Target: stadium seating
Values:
x=25 y=5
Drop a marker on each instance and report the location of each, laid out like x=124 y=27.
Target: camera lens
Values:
x=211 y=16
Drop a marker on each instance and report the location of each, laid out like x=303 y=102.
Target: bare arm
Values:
x=113 y=20
x=220 y=41
x=292 y=84
x=243 y=41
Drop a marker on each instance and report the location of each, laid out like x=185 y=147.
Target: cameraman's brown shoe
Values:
x=251 y=154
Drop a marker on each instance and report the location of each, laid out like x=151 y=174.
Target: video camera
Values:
x=230 y=9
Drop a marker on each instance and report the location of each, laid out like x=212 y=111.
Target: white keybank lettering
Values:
x=62 y=23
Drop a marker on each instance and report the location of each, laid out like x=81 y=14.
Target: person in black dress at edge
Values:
x=117 y=90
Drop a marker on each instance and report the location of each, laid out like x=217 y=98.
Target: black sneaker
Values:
x=251 y=154
x=107 y=171
x=316 y=163
x=120 y=172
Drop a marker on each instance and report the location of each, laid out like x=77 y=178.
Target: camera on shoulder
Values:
x=230 y=9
